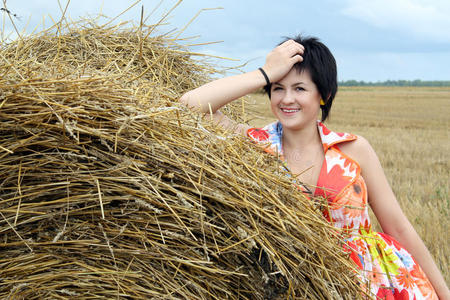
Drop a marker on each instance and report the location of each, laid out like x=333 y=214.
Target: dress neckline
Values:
x=273 y=132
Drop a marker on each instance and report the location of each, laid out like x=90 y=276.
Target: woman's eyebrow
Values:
x=295 y=83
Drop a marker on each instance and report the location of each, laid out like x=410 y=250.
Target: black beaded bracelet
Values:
x=265 y=76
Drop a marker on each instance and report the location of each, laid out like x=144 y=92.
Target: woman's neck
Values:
x=301 y=139
x=304 y=154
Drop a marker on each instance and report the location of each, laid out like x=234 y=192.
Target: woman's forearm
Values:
x=213 y=95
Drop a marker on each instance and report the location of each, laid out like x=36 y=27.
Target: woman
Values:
x=301 y=80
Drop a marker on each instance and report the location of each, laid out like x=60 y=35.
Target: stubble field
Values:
x=409 y=129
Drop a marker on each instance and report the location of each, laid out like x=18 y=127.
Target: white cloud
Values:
x=421 y=18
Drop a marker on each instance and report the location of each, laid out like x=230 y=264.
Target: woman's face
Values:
x=295 y=100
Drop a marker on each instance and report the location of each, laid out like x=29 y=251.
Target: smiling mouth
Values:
x=290 y=110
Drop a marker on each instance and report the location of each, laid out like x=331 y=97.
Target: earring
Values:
x=322 y=102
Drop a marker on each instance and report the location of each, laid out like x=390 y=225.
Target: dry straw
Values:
x=110 y=189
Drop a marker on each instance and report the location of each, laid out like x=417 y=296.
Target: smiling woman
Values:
x=300 y=78
x=295 y=100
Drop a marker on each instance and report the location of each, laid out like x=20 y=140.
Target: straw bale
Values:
x=110 y=188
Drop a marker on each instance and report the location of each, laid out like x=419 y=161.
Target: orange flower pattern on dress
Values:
x=349 y=200
x=422 y=282
x=386 y=268
x=376 y=276
x=405 y=278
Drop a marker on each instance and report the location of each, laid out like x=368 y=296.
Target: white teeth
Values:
x=290 y=110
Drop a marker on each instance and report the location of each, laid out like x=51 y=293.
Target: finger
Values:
x=295 y=49
x=296 y=59
x=294 y=43
x=287 y=43
x=298 y=49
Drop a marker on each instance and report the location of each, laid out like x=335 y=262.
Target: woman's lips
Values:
x=289 y=111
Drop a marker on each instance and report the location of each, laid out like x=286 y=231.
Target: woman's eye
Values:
x=277 y=88
x=300 y=88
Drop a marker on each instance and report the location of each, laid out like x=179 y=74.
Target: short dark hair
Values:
x=321 y=65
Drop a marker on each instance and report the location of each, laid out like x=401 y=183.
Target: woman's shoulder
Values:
x=358 y=149
x=356 y=145
x=353 y=146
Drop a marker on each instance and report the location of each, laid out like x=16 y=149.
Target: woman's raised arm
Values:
x=213 y=95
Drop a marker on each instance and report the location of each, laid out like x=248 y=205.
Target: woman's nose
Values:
x=288 y=97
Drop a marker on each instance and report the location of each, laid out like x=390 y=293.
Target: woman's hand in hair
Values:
x=282 y=58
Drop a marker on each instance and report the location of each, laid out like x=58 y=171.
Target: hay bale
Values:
x=109 y=188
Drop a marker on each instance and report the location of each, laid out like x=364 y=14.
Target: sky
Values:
x=372 y=40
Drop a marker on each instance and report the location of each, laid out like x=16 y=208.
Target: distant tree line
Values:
x=416 y=82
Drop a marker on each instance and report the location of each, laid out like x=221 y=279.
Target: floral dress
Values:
x=387 y=270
